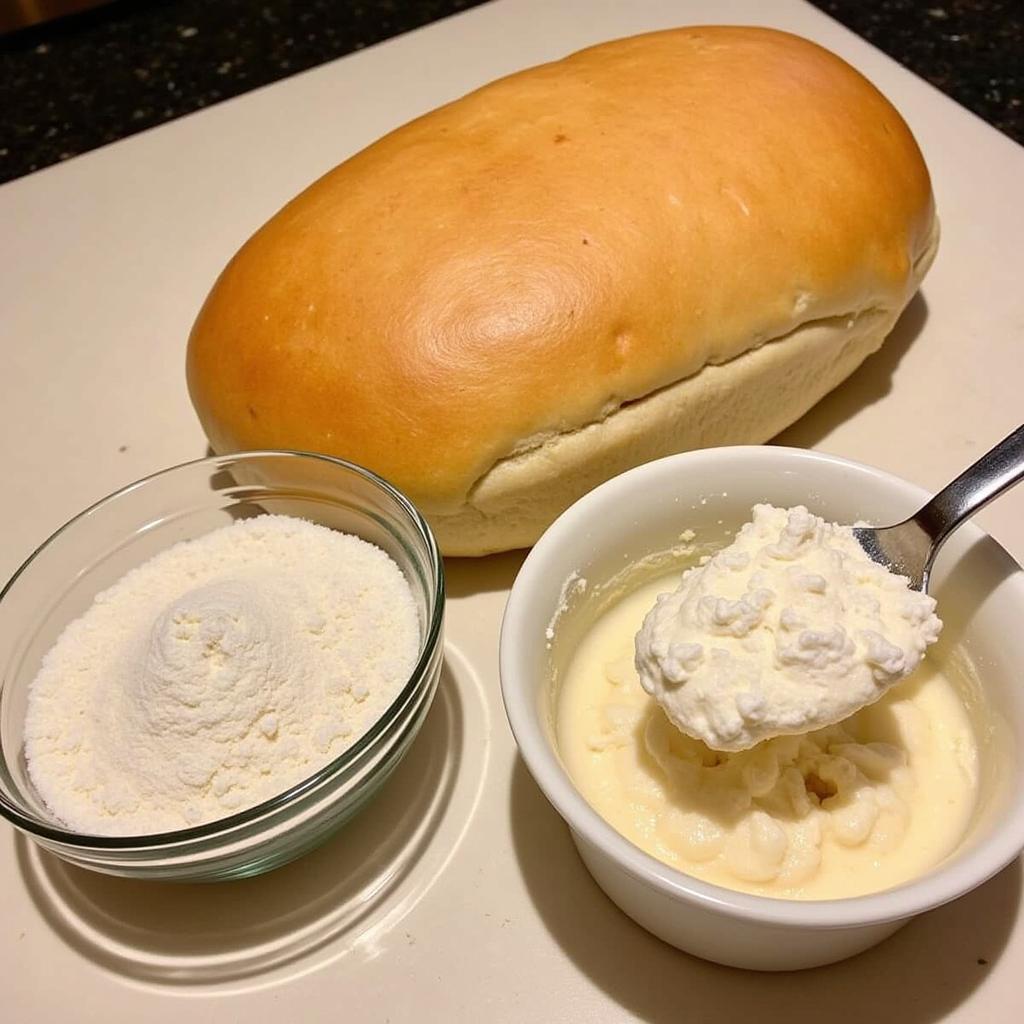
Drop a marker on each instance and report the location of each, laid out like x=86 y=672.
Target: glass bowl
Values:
x=92 y=551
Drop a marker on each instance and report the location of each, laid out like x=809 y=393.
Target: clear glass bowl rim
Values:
x=337 y=767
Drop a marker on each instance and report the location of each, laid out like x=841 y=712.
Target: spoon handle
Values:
x=995 y=472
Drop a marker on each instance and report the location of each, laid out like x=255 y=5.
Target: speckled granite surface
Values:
x=69 y=86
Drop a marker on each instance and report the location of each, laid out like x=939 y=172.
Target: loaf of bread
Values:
x=678 y=240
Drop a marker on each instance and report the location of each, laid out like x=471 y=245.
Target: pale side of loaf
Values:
x=676 y=240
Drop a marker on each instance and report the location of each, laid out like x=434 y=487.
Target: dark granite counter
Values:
x=71 y=85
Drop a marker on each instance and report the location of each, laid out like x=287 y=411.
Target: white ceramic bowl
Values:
x=980 y=590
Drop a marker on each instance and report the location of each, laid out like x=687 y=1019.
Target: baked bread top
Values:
x=522 y=262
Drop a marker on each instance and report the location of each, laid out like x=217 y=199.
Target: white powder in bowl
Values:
x=216 y=675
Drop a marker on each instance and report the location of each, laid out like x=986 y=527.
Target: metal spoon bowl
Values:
x=909 y=548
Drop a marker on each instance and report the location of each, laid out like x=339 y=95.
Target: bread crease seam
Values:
x=537 y=441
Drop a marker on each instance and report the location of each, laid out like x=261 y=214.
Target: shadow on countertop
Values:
x=465 y=577
x=302 y=915
x=918 y=976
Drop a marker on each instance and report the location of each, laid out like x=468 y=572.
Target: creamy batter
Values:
x=856 y=807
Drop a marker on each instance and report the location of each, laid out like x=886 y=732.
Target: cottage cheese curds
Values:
x=819 y=797
x=790 y=628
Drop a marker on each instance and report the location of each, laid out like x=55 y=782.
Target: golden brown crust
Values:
x=519 y=263
x=747 y=400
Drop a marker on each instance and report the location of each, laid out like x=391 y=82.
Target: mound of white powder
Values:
x=218 y=674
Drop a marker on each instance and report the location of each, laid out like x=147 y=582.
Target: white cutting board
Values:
x=457 y=896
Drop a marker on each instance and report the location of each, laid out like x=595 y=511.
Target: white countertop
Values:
x=478 y=908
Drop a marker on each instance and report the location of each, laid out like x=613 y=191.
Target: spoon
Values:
x=909 y=548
